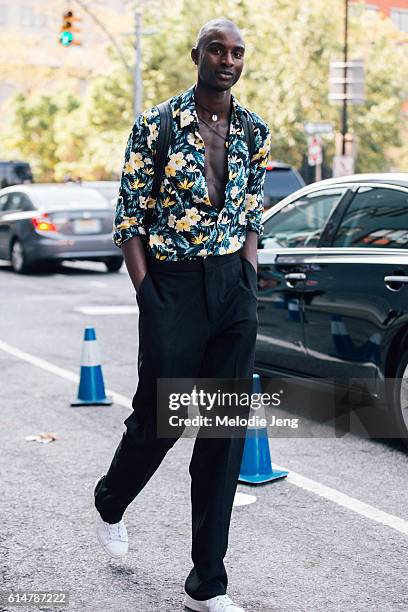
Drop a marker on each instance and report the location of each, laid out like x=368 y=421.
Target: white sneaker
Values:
x=221 y=603
x=112 y=537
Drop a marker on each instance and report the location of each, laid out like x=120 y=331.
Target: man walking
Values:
x=191 y=255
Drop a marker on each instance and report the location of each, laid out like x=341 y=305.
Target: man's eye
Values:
x=238 y=55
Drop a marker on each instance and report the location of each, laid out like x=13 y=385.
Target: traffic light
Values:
x=68 y=30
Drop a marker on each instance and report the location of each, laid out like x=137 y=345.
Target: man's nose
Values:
x=228 y=59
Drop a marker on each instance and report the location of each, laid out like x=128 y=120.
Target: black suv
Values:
x=14 y=173
x=280 y=181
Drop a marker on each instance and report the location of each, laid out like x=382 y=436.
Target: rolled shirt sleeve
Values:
x=136 y=181
x=255 y=187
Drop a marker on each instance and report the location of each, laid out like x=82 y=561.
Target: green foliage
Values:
x=290 y=44
x=33 y=128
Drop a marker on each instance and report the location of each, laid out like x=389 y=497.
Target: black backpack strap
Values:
x=163 y=144
x=248 y=126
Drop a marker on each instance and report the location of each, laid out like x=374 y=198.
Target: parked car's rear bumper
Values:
x=84 y=247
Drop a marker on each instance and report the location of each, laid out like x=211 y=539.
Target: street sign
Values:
x=351 y=75
x=314 y=151
x=315 y=127
x=343 y=165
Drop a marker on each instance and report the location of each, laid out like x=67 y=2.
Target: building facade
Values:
x=396 y=10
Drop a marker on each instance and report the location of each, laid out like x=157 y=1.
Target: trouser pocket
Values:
x=250 y=275
x=140 y=291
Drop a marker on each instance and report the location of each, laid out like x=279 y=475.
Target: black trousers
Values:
x=197 y=319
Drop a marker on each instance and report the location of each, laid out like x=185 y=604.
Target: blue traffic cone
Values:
x=256 y=466
x=294 y=310
x=91 y=390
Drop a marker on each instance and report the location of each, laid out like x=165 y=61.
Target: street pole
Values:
x=345 y=88
x=318 y=172
x=138 y=83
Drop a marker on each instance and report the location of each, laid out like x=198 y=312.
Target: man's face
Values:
x=220 y=59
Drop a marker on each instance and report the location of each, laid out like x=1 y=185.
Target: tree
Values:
x=33 y=129
x=290 y=44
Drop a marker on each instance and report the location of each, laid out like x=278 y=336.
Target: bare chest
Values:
x=216 y=161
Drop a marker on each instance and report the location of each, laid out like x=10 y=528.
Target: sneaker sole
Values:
x=194 y=604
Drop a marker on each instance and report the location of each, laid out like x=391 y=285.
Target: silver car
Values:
x=108 y=189
x=53 y=222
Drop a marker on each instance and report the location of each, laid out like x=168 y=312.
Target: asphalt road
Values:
x=332 y=537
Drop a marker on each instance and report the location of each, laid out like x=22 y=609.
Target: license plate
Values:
x=87 y=226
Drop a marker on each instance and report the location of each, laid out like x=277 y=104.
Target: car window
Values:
x=26 y=204
x=14 y=202
x=377 y=217
x=3 y=200
x=301 y=223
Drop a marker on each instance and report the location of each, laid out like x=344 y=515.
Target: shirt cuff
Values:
x=120 y=236
x=255 y=227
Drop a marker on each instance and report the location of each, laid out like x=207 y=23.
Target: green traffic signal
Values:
x=69 y=29
x=66 y=38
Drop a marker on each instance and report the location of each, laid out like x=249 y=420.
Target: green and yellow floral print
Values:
x=182 y=223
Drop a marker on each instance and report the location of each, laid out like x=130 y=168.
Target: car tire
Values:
x=400 y=399
x=114 y=264
x=18 y=258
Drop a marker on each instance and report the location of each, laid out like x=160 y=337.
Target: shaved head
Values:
x=213 y=26
x=219 y=54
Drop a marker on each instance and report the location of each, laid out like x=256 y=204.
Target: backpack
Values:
x=163 y=143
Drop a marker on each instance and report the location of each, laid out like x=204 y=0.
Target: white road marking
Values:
x=242 y=499
x=366 y=510
x=98 y=284
x=61 y=372
x=341 y=499
x=107 y=310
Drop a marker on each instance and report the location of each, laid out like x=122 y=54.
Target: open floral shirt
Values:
x=182 y=223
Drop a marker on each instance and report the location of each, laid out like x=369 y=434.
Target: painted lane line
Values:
x=351 y=503
x=341 y=499
x=61 y=372
x=242 y=499
x=98 y=284
x=107 y=310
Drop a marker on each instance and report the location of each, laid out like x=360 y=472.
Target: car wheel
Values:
x=400 y=399
x=18 y=258
x=114 y=264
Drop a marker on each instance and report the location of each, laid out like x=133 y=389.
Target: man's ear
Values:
x=194 y=55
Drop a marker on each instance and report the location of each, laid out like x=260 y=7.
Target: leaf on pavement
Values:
x=43 y=437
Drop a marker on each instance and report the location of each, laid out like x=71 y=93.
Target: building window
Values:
x=357 y=9
x=30 y=18
x=400 y=19
x=3 y=14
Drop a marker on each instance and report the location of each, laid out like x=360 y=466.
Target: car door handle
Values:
x=395 y=279
x=294 y=277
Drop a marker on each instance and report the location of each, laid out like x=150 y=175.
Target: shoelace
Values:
x=117 y=532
